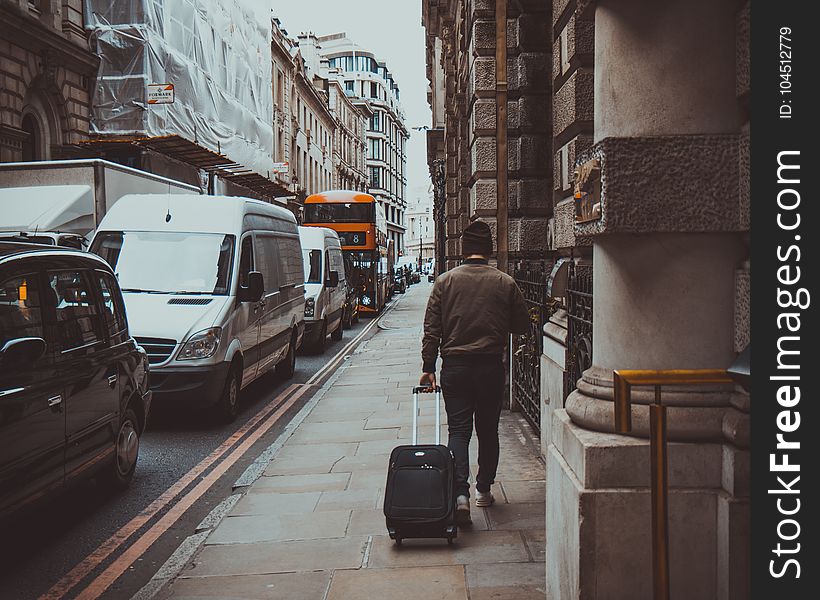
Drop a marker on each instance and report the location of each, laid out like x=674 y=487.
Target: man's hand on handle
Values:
x=428 y=380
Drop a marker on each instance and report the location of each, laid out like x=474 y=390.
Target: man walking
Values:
x=470 y=314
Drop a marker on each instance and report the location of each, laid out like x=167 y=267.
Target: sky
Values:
x=392 y=31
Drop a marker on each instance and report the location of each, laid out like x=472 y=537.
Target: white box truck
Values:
x=42 y=200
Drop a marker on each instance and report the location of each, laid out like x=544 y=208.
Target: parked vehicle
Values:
x=71 y=196
x=48 y=238
x=399 y=281
x=325 y=286
x=74 y=396
x=214 y=293
x=361 y=224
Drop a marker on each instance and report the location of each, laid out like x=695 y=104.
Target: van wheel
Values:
x=126 y=452
x=286 y=367
x=228 y=405
x=337 y=333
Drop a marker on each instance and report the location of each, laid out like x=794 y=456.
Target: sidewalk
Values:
x=312 y=526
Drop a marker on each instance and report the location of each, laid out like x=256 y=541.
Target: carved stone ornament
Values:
x=588 y=191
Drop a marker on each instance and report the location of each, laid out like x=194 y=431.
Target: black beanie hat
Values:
x=477 y=239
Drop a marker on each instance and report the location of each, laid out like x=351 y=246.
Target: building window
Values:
x=374 y=89
x=375 y=121
x=349 y=86
x=375 y=180
x=374 y=149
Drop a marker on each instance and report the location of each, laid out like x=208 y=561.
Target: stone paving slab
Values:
x=432 y=583
x=317 y=482
x=521 y=516
x=281 y=586
x=524 y=491
x=378 y=447
x=536 y=540
x=316 y=451
x=281 y=527
x=278 y=557
x=508 y=581
x=470 y=547
x=336 y=416
x=349 y=499
x=363 y=462
x=344 y=431
x=271 y=503
x=384 y=422
x=301 y=466
x=367 y=522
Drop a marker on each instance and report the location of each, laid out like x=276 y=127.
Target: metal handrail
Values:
x=624 y=380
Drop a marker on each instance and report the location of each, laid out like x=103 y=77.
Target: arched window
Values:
x=33 y=144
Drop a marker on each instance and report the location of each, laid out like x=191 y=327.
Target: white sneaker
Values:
x=463 y=510
x=483 y=499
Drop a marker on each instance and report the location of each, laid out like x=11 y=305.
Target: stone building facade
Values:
x=462 y=55
x=282 y=73
x=648 y=203
x=352 y=115
x=46 y=73
x=667 y=94
x=350 y=144
x=313 y=128
x=368 y=79
x=420 y=226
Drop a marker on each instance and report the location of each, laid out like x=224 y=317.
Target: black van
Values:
x=74 y=395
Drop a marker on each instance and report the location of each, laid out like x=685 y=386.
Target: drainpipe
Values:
x=501 y=132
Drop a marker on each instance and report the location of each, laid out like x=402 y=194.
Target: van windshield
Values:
x=313 y=265
x=164 y=262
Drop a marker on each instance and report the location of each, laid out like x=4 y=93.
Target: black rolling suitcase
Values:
x=418 y=498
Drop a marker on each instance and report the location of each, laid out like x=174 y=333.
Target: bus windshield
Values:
x=340 y=212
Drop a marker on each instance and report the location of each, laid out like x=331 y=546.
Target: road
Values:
x=57 y=548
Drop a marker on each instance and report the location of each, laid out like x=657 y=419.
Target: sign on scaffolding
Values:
x=280 y=167
x=160 y=93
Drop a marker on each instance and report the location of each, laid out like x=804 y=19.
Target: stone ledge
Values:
x=670 y=184
x=609 y=460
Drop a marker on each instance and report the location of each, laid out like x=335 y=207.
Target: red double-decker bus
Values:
x=362 y=228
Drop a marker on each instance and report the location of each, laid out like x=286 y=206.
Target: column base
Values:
x=598 y=517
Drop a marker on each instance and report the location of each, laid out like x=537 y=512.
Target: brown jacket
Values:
x=472 y=310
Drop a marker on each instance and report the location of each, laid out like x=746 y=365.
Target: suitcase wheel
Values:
x=449 y=540
x=398 y=541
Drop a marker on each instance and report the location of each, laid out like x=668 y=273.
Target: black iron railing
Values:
x=525 y=380
x=579 y=325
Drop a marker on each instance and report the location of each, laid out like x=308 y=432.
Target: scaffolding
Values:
x=215 y=54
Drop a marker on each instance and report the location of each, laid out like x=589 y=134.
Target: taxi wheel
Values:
x=126 y=452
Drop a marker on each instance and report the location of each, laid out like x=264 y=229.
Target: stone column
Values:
x=666 y=250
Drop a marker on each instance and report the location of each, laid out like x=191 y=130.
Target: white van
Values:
x=213 y=289
x=324 y=285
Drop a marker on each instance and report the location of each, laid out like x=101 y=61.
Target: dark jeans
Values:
x=473 y=386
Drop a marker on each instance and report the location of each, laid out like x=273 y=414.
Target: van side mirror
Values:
x=21 y=351
x=254 y=290
x=332 y=279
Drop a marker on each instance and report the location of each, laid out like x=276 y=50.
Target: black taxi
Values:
x=74 y=394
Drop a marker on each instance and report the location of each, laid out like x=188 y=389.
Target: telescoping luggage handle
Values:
x=426 y=389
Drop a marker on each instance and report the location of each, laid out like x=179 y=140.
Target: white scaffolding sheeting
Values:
x=216 y=53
